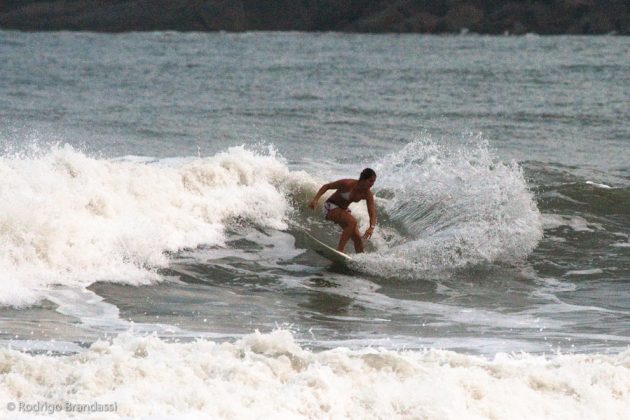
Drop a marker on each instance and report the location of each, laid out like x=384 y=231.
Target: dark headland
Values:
x=394 y=16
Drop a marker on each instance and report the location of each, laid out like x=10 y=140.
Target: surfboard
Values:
x=327 y=252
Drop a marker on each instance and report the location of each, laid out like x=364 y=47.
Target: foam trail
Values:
x=270 y=375
x=88 y=307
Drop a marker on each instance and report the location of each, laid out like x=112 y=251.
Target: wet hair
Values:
x=367 y=173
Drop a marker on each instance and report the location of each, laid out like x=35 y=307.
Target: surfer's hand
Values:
x=312 y=204
x=368 y=233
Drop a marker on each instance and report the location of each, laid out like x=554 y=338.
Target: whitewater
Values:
x=70 y=219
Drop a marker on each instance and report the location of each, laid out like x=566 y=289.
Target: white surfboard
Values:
x=327 y=252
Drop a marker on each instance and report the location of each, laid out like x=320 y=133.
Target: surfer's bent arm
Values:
x=371 y=206
x=330 y=186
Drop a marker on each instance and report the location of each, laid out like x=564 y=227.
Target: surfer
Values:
x=336 y=207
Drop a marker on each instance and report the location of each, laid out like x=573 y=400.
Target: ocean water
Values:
x=153 y=203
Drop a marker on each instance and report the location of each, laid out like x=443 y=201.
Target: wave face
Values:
x=271 y=375
x=457 y=204
x=70 y=219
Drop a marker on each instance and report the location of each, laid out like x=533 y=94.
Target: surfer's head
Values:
x=368 y=176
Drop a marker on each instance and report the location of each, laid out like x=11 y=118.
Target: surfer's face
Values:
x=370 y=181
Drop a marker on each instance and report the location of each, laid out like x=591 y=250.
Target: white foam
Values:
x=66 y=218
x=270 y=375
x=625 y=244
x=47 y=346
x=577 y=223
x=586 y=272
x=595 y=184
x=87 y=307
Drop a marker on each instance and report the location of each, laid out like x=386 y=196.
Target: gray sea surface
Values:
x=503 y=189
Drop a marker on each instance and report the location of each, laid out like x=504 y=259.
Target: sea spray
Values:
x=455 y=204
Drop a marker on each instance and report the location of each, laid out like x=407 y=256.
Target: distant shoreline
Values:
x=516 y=17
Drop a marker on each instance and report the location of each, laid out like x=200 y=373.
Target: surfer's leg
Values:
x=357 y=239
x=349 y=227
x=347 y=223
